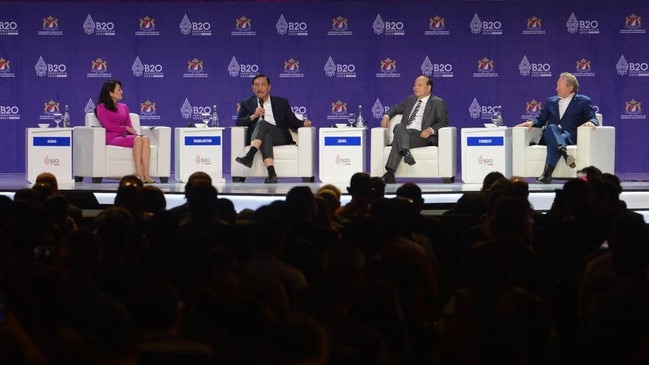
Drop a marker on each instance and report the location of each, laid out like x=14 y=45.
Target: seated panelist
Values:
x=268 y=119
x=114 y=117
x=559 y=118
x=423 y=115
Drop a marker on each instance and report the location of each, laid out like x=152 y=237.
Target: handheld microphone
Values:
x=261 y=104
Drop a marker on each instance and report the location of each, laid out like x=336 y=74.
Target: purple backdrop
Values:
x=176 y=60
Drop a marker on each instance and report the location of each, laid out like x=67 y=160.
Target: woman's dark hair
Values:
x=104 y=95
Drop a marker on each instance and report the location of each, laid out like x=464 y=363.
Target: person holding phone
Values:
x=114 y=117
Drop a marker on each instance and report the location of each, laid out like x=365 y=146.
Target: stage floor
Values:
x=254 y=193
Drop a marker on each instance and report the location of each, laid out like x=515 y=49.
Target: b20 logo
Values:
x=8 y=25
x=393 y=25
x=8 y=109
x=341 y=67
x=201 y=26
x=104 y=26
x=492 y=25
x=299 y=26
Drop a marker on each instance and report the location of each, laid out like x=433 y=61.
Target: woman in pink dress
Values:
x=114 y=117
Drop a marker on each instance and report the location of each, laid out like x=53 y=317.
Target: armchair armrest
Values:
x=89 y=151
x=160 y=136
x=521 y=137
x=378 y=142
x=596 y=147
x=237 y=145
x=306 y=151
x=447 y=144
x=238 y=137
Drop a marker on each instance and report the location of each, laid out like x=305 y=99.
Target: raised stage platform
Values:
x=254 y=193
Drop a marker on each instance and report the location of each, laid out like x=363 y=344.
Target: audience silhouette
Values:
x=306 y=280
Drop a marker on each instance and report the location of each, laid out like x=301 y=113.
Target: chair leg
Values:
x=96 y=180
x=238 y=179
x=308 y=179
x=448 y=180
x=78 y=178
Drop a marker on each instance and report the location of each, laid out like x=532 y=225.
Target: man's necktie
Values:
x=414 y=112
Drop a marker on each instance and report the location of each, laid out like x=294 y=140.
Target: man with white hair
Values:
x=559 y=118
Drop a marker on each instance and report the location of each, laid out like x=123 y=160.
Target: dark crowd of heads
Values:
x=308 y=279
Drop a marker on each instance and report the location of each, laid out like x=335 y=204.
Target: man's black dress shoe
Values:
x=244 y=161
x=570 y=160
x=546 y=176
x=389 y=178
x=407 y=157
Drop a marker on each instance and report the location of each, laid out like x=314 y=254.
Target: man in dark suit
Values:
x=423 y=115
x=560 y=117
x=268 y=120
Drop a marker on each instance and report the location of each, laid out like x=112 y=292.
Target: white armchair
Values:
x=293 y=160
x=432 y=161
x=93 y=158
x=595 y=147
